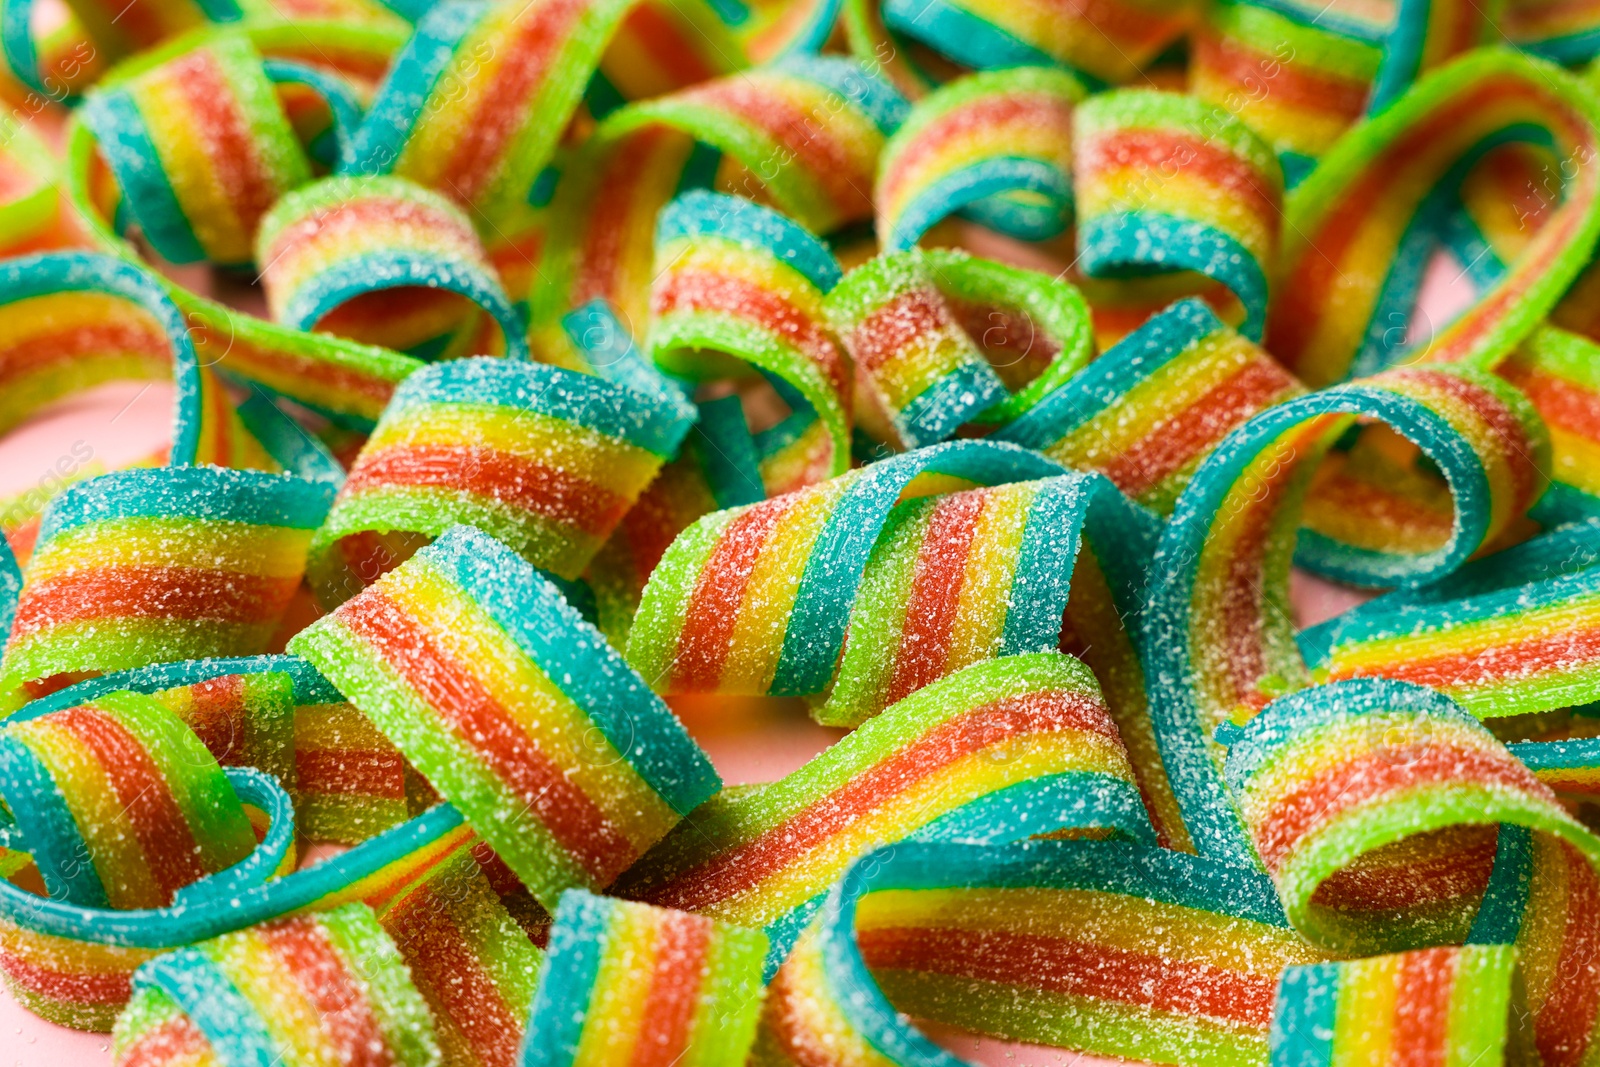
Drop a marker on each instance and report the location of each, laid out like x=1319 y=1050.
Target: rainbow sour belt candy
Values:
x=919 y=376
x=318 y=989
x=1000 y=751
x=473 y=964
x=630 y=983
x=546 y=459
x=972 y=142
x=1164 y=183
x=739 y=284
x=1103 y=946
x=163 y=563
x=514 y=709
x=1362 y=798
x=200 y=148
x=382 y=260
x=1217 y=640
x=1438 y=1005
x=119 y=803
x=475 y=103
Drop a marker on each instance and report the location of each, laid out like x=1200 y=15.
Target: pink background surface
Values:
x=748 y=740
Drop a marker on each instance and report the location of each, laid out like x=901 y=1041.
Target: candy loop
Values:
x=546 y=459
x=1000 y=751
x=1373 y=197
x=1168 y=183
x=329 y=987
x=1107 y=947
x=1233 y=534
x=74 y=965
x=478 y=670
x=114 y=30
x=1350 y=789
x=120 y=804
x=382 y=260
x=701 y=981
x=198 y=201
x=272 y=854
x=158 y=564
x=337 y=95
x=698 y=629
x=995 y=147
x=919 y=376
x=475 y=103
x=739 y=284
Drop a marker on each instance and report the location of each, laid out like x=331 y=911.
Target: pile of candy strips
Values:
x=970 y=375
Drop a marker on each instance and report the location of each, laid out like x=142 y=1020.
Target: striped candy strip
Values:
x=1559 y=372
x=1358 y=221
x=515 y=709
x=995 y=147
x=919 y=376
x=74 y=965
x=756 y=599
x=475 y=103
x=96 y=32
x=1543 y=897
x=1165 y=182
x=716 y=468
x=739 y=288
x=156 y=564
x=1434 y=1005
x=1512 y=651
x=119 y=802
x=1110 y=43
x=200 y=148
x=471 y=962
x=1566 y=33
x=769 y=29
x=1372 y=804
x=1000 y=751
x=630 y=983
x=1103 y=947
x=347 y=780
x=324 y=988
x=1147 y=412
x=73 y=320
x=1297 y=86
x=384 y=261
x=545 y=459
x=803 y=134
x=1217 y=638
x=33 y=215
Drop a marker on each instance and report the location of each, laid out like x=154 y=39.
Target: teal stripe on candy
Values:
x=727 y=453
x=203 y=494
x=966 y=38
x=595 y=330
x=48 y=827
x=225 y=1016
x=940 y=409
x=562 y=394
x=310 y=687
x=1042 y=581
x=1105 y=381
x=566 y=982
x=119 y=125
x=1074 y=799
x=816 y=626
x=1505 y=899
x=705 y=214
x=1302 y=1022
x=875 y=97
x=411 y=81
x=967 y=188
x=580 y=662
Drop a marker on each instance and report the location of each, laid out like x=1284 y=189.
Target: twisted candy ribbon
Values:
x=512 y=706
x=1001 y=751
